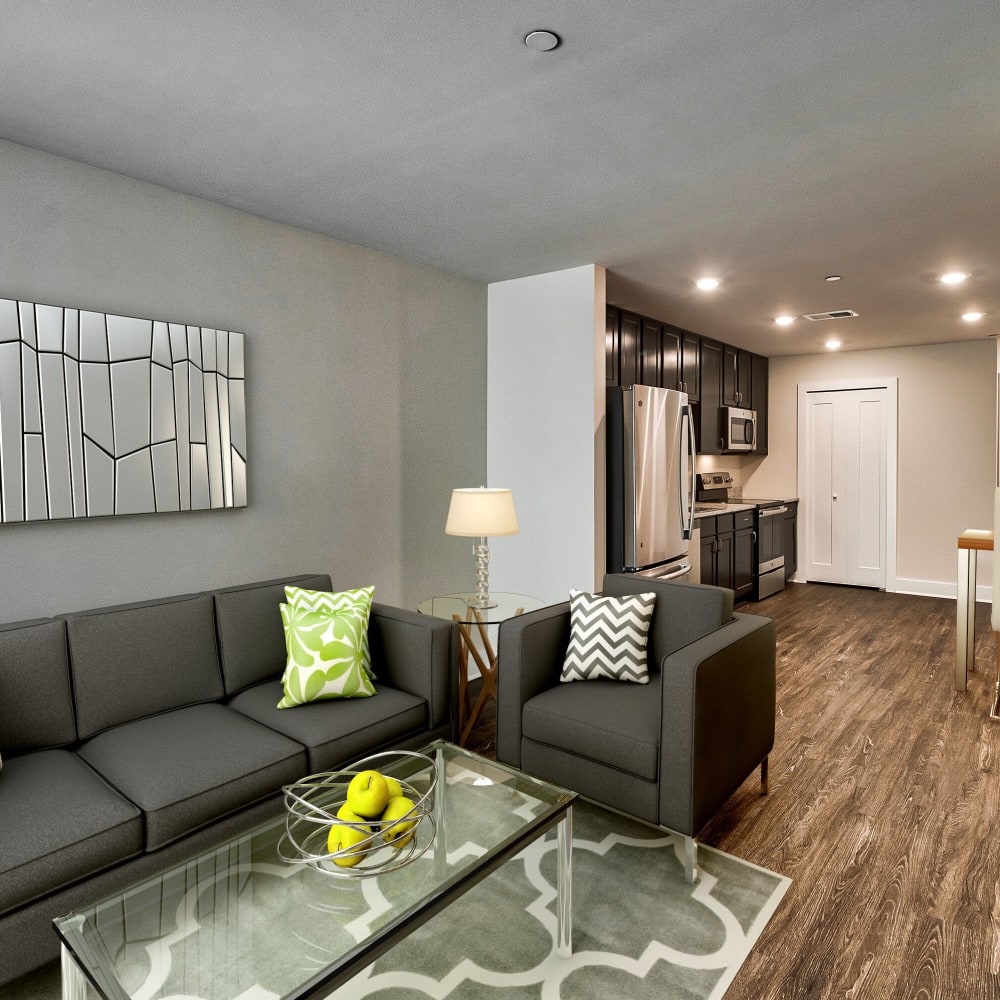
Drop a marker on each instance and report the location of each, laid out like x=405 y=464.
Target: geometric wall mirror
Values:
x=104 y=414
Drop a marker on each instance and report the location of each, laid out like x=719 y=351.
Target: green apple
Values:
x=396 y=828
x=367 y=794
x=346 y=839
x=394 y=787
x=348 y=815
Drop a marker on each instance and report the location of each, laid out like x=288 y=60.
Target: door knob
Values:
x=834 y=496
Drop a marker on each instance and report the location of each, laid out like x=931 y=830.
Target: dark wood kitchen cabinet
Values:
x=680 y=361
x=612 y=341
x=621 y=347
x=651 y=354
x=736 y=373
x=690 y=364
x=670 y=357
x=744 y=561
x=727 y=550
x=708 y=426
x=758 y=399
x=639 y=349
x=717 y=537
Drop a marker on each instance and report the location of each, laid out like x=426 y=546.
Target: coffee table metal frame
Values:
x=85 y=957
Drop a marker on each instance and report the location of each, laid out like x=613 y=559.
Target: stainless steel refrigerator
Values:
x=651 y=481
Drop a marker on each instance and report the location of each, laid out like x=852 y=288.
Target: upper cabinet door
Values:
x=710 y=436
x=650 y=354
x=690 y=365
x=628 y=349
x=670 y=357
x=758 y=399
x=730 y=383
x=612 y=362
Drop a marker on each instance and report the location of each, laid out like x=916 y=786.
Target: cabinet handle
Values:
x=753 y=536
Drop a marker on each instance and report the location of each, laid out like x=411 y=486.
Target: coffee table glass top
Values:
x=238 y=922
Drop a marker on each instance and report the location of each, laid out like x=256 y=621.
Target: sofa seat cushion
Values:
x=59 y=822
x=340 y=731
x=611 y=723
x=191 y=766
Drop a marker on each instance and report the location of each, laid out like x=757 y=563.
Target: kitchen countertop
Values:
x=724 y=508
x=737 y=505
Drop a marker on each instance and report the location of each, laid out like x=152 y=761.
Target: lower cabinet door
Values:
x=743 y=563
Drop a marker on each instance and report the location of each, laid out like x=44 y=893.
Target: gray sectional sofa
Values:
x=134 y=736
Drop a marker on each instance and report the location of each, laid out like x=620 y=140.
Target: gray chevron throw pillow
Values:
x=607 y=637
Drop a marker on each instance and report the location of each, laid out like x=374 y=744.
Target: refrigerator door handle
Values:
x=688 y=527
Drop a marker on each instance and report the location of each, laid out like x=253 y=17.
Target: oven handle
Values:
x=771 y=511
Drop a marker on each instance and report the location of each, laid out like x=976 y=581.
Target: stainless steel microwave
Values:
x=739 y=429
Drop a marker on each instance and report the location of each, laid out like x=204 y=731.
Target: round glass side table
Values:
x=459 y=608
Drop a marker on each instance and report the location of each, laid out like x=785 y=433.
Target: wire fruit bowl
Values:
x=311 y=812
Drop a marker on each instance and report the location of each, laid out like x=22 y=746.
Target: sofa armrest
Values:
x=718 y=719
x=415 y=653
x=530 y=653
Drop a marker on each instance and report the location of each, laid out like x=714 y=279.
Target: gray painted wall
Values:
x=366 y=389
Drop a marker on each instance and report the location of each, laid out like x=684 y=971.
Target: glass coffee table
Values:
x=237 y=921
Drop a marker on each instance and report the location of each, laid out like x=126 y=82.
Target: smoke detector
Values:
x=833 y=314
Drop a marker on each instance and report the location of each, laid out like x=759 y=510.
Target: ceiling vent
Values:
x=834 y=314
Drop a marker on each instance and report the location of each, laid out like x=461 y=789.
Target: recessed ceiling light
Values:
x=706 y=284
x=832 y=345
x=833 y=277
x=972 y=317
x=953 y=278
x=542 y=41
x=784 y=320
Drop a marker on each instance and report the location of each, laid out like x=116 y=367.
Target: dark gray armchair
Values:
x=669 y=752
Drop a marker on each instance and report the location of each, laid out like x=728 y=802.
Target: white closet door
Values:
x=845 y=498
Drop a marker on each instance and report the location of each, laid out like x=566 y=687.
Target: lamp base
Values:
x=480 y=604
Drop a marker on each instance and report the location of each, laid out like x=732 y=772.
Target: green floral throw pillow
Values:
x=324 y=656
x=359 y=601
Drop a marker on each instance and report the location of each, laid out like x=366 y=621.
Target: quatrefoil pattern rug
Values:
x=639 y=930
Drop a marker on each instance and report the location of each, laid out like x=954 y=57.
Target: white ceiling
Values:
x=770 y=143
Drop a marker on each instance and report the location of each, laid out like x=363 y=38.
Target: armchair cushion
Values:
x=608 y=637
x=614 y=724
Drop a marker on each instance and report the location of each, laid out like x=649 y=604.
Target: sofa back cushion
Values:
x=36 y=703
x=137 y=660
x=684 y=611
x=251 y=636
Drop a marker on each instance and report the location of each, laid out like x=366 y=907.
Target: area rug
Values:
x=639 y=930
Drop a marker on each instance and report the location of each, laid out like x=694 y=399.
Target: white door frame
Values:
x=891 y=385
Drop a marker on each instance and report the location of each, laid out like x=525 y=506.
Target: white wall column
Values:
x=545 y=429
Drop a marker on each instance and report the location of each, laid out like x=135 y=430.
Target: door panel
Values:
x=822 y=565
x=846 y=486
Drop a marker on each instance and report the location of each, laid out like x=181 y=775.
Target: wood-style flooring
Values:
x=884 y=807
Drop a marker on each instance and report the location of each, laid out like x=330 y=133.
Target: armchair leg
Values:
x=690 y=850
x=765 y=778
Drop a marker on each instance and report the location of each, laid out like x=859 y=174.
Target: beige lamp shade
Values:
x=483 y=512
